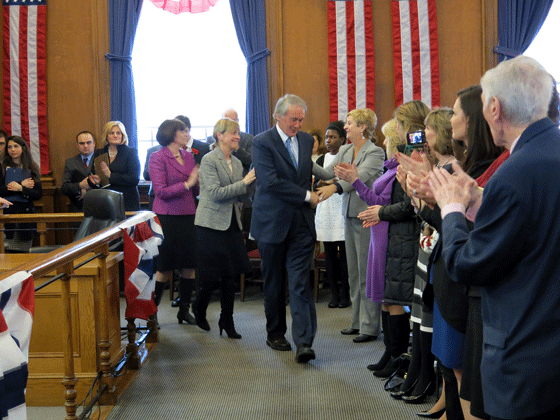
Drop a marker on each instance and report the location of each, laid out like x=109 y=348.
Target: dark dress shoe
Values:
x=176 y=303
x=333 y=303
x=350 y=331
x=400 y=393
x=418 y=399
x=304 y=353
x=280 y=344
x=344 y=303
x=382 y=362
x=364 y=338
x=434 y=415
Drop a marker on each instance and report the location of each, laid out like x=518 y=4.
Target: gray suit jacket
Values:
x=370 y=167
x=220 y=189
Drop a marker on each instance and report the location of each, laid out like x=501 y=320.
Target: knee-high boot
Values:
x=203 y=296
x=427 y=373
x=186 y=287
x=387 y=354
x=227 y=302
x=399 y=333
x=414 y=368
x=158 y=292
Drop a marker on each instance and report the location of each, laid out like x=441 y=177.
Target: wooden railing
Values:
x=43 y=220
x=62 y=261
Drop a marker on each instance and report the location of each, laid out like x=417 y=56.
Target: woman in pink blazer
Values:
x=174 y=176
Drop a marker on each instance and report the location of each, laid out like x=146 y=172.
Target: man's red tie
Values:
x=85 y=163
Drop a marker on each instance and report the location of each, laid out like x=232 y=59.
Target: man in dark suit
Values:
x=77 y=169
x=283 y=225
x=513 y=250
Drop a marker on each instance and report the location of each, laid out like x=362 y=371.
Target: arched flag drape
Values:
x=351 y=57
x=25 y=75
x=415 y=51
x=183 y=6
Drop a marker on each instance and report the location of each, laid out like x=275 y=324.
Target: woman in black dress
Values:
x=222 y=255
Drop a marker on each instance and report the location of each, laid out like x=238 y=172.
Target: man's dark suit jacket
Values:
x=281 y=188
x=74 y=173
x=513 y=253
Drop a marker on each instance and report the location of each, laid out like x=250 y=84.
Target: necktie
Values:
x=290 y=152
x=85 y=163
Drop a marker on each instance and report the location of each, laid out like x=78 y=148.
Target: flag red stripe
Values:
x=370 y=55
x=42 y=87
x=351 y=51
x=23 y=74
x=415 y=50
x=434 y=52
x=333 y=68
x=397 y=52
x=7 y=102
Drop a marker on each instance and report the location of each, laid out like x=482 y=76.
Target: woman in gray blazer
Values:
x=222 y=255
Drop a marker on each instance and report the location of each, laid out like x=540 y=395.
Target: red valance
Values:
x=182 y=6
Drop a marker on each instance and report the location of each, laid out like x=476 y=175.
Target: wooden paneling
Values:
x=78 y=79
x=297 y=38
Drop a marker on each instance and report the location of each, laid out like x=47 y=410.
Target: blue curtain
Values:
x=250 y=24
x=123 y=21
x=519 y=22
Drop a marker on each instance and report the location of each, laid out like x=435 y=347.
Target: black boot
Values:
x=399 y=333
x=227 y=301
x=186 y=287
x=427 y=378
x=203 y=297
x=387 y=354
x=158 y=292
x=413 y=373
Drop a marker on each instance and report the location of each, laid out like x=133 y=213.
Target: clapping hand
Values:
x=346 y=171
x=453 y=188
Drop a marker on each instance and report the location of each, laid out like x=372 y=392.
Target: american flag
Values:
x=415 y=51
x=351 y=57
x=25 y=72
x=17 y=305
x=141 y=243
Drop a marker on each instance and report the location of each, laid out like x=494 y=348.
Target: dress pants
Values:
x=365 y=313
x=290 y=259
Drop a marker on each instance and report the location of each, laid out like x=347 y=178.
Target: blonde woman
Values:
x=368 y=158
x=123 y=170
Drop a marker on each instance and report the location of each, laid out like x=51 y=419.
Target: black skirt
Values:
x=178 y=249
x=222 y=252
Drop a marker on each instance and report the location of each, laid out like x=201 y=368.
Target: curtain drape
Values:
x=123 y=21
x=250 y=25
x=519 y=22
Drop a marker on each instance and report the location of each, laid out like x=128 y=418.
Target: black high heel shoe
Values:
x=404 y=392
x=418 y=399
x=434 y=415
x=229 y=329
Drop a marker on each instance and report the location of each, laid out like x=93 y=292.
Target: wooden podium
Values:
x=46 y=361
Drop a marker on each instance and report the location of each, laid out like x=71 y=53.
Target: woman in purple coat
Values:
x=174 y=176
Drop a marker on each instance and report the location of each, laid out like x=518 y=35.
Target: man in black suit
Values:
x=284 y=227
x=77 y=169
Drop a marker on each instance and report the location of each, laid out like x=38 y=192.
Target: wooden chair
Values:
x=318 y=267
x=255 y=262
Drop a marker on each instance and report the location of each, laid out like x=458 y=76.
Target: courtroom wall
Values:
x=78 y=73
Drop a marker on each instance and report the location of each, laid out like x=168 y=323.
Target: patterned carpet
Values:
x=194 y=374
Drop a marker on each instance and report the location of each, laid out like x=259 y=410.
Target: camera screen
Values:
x=416 y=137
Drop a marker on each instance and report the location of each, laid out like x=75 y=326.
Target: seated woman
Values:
x=221 y=251
x=123 y=169
x=20 y=185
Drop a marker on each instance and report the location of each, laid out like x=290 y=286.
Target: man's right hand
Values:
x=314 y=199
